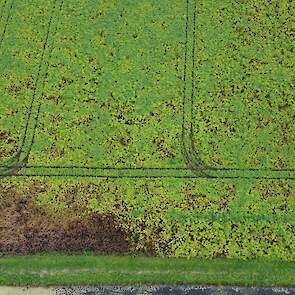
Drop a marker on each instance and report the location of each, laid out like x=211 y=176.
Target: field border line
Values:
x=140 y=172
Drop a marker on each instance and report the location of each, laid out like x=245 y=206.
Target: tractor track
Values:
x=20 y=162
x=6 y=21
x=195 y=166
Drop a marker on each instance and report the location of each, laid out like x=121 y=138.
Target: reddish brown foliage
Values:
x=27 y=228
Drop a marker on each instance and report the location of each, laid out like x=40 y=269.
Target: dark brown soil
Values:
x=25 y=227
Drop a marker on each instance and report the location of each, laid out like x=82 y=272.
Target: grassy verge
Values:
x=86 y=269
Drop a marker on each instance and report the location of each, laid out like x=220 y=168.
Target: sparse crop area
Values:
x=163 y=128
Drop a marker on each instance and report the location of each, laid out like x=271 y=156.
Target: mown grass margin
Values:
x=61 y=269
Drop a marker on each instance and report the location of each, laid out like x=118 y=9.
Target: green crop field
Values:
x=164 y=128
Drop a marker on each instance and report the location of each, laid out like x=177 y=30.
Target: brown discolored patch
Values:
x=4 y=135
x=26 y=227
x=163 y=149
x=16 y=89
x=7 y=137
x=53 y=98
x=96 y=233
x=8 y=144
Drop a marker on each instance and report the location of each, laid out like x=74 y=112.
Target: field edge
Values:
x=61 y=269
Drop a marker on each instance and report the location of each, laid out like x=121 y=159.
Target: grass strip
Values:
x=59 y=269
